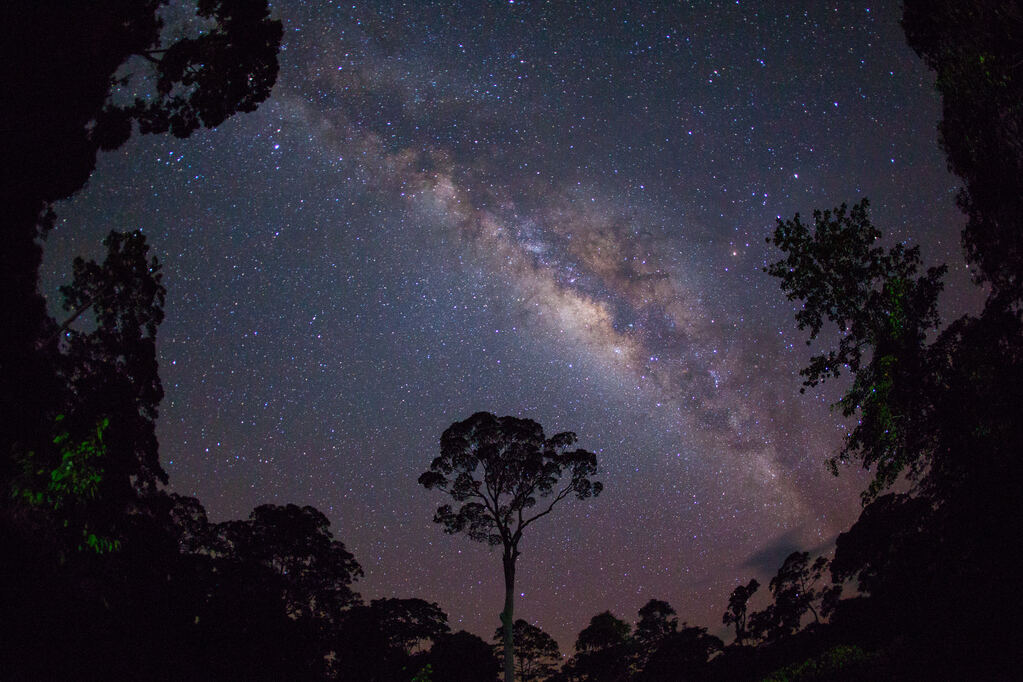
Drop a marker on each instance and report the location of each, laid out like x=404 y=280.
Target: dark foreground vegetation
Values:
x=107 y=576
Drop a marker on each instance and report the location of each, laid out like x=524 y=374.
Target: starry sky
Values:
x=552 y=210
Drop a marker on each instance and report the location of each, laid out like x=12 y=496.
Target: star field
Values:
x=547 y=210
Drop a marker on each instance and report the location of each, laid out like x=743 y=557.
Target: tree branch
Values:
x=148 y=56
x=562 y=494
x=493 y=507
x=64 y=327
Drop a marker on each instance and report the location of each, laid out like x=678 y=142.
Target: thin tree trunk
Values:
x=508 y=617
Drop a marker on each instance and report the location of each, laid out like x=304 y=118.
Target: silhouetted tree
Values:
x=795 y=590
x=603 y=651
x=738 y=602
x=111 y=369
x=101 y=454
x=681 y=655
x=975 y=50
x=80 y=76
x=463 y=657
x=883 y=312
x=410 y=622
x=895 y=555
x=656 y=622
x=498 y=470
x=191 y=527
x=84 y=75
x=296 y=545
x=947 y=413
x=536 y=652
x=362 y=648
x=276 y=584
x=762 y=625
x=244 y=629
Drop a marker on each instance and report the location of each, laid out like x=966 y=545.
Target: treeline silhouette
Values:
x=106 y=575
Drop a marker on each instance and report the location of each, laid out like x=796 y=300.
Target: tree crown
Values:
x=499 y=469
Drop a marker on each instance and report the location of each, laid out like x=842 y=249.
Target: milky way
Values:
x=552 y=212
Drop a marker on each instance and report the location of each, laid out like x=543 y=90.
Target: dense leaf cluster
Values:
x=499 y=468
x=882 y=309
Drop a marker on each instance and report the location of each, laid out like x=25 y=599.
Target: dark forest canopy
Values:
x=111 y=577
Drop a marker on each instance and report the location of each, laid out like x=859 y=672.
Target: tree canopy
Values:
x=296 y=545
x=410 y=622
x=974 y=48
x=738 y=603
x=536 y=652
x=883 y=311
x=500 y=469
x=82 y=76
x=463 y=657
x=603 y=651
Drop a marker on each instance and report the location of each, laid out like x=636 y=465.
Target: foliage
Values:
x=536 y=652
x=738 y=602
x=604 y=632
x=795 y=593
x=463 y=657
x=166 y=605
x=681 y=655
x=410 y=622
x=975 y=49
x=656 y=622
x=82 y=76
x=362 y=648
x=499 y=469
x=875 y=550
x=425 y=674
x=296 y=545
x=111 y=367
x=604 y=651
x=827 y=666
x=946 y=411
x=93 y=73
x=882 y=310
x=794 y=589
x=70 y=489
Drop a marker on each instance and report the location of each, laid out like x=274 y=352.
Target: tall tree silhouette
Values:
x=102 y=454
x=795 y=591
x=376 y=643
x=505 y=475
x=112 y=369
x=947 y=413
x=738 y=602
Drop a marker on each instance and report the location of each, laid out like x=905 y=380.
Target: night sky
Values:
x=533 y=209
